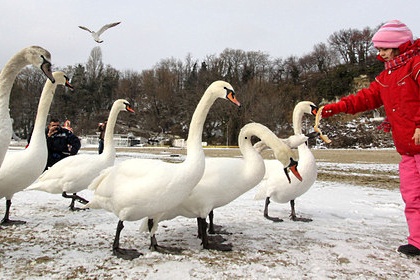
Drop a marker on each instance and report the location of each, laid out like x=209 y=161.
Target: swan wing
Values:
x=134 y=187
x=295 y=140
x=71 y=174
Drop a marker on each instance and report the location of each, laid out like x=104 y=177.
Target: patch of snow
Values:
x=354 y=234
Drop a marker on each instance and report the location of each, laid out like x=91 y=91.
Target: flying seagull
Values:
x=96 y=35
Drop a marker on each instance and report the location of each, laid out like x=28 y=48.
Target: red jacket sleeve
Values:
x=364 y=100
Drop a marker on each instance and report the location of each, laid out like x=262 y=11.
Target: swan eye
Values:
x=314 y=109
x=229 y=91
x=44 y=60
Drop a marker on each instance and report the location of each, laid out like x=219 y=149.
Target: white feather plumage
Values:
x=274 y=186
x=34 y=55
x=20 y=169
x=225 y=179
x=140 y=188
x=74 y=174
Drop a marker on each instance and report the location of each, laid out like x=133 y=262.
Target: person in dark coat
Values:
x=61 y=143
x=101 y=130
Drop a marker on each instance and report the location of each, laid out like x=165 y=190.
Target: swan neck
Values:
x=297 y=121
x=244 y=141
x=109 y=145
x=38 y=134
x=7 y=77
x=259 y=130
x=195 y=134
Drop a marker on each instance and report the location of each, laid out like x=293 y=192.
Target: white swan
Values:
x=98 y=33
x=34 y=55
x=225 y=179
x=274 y=186
x=74 y=174
x=20 y=169
x=140 y=188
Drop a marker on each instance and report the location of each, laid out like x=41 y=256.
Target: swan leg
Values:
x=199 y=221
x=154 y=245
x=202 y=228
x=126 y=254
x=74 y=197
x=211 y=224
x=153 y=241
x=293 y=216
x=6 y=221
x=276 y=220
x=213 y=229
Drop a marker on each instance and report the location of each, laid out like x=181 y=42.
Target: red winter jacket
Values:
x=398 y=90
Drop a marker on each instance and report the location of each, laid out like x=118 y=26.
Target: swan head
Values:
x=284 y=154
x=41 y=58
x=307 y=107
x=61 y=79
x=224 y=90
x=123 y=105
x=293 y=168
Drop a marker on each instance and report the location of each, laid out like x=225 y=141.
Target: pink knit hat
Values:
x=392 y=34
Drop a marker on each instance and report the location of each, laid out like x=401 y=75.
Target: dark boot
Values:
x=409 y=250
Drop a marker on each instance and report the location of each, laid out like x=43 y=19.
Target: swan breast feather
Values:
x=17 y=173
x=138 y=183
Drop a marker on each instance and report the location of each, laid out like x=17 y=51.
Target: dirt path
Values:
x=357 y=174
x=357 y=156
x=325 y=155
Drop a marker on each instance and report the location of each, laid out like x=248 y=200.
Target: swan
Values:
x=98 y=33
x=140 y=188
x=224 y=180
x=34 y=55
x=73 y=174
x=274 y=186
x=20 y=169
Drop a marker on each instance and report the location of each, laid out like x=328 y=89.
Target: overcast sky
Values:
x=155 y=30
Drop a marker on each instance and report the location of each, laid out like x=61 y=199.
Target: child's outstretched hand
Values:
x=416 y=136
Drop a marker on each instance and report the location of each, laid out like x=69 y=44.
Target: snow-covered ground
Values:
x=354 y=234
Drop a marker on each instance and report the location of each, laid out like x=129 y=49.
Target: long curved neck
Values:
x=254 y=163
x=259 y=130
x=195 y=134
x=109 y=145
x=244 y=140
x=38 y=135
x=7 y=77
x=297 y=121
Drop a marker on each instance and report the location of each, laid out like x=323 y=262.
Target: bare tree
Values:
x=94 y=65
x=353 y=45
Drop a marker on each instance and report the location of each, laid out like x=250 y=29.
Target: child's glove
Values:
x=385 y=125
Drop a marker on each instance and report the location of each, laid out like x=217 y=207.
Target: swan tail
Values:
x=144 y=227
x=98 y=179
x=46 y=186
x=261 y=191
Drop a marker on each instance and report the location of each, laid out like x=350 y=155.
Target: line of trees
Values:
x=166 y=95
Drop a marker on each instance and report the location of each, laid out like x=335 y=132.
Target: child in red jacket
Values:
x=397 y=88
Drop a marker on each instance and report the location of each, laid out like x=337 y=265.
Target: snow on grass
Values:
x=354 y=234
